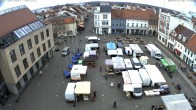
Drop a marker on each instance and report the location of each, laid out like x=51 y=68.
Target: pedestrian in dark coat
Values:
x=114 y=104
x=100 y=68
x=118 y=85
x=95 y=94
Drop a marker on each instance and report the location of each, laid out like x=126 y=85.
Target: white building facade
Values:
x=102 y=19
x=168 y=22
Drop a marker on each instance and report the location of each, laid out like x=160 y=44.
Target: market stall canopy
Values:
x=119 y=65
x=111 y=46
x=78 y=69
x=93 y=38
x=176 y=102
x=108 y=62
x=117 y=59
x=83 y=87
x=89 y=53
x=127 y=87
x=89 y=47
x=112 y=52
x=119 y=51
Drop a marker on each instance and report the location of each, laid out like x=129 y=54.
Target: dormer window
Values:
x=179 y=36
x=184 y=39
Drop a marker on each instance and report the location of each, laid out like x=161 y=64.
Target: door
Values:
x=127 y=31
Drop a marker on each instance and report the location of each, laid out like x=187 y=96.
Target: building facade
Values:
x=25 y=45
x=118 y=22
x=168 y=22
x=182 y=42
x=102 y=19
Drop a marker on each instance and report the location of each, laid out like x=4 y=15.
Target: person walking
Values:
x=152 y=107
x=100 y=68
x=118 y=85
x=114 y=104
x=95 y=94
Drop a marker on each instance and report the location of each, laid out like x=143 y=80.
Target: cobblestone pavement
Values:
x=47 y=92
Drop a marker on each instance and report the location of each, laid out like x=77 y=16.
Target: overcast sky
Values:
x=179 y=5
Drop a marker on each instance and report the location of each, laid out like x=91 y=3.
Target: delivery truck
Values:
x=168 y=65
x=136 y=82
x=136 y=50
x=146 y=81
x=154 y=51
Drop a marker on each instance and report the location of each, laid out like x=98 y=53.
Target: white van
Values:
x=65 y=51
x=136 y=63
x=69 y=92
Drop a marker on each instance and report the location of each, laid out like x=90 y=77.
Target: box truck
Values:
x=69 y=92
x=136 y=50
x=154 y=51
x=168 y=65
x=146 y=81
x=136 y=82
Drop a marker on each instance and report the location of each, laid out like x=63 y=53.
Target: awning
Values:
x=83 y=87
x=177 y=52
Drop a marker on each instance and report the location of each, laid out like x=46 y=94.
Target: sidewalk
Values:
x=177 y=61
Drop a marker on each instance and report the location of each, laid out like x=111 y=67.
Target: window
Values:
x=132 y=24
x=25 y=63
x=17 y=71
x=191 y=54
x=38 y=52
x=136 y=24
x=13 y=56
x=44 y=47
x=116 y=24
x=49 y=44
x=185 y=49
x=42 y=36
x=95 y=16
x=105 y=16
x=21 y=48
x=104 y=22
x=47 y=32
x=32 y=57
x=141 y=25
x=120 y=24
x=144 y=25
x=36 y=39
x=113 y=24
x=29 y=44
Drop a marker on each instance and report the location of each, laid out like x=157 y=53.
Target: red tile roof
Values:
x=191 y=43
x=68 y=20
x=16 y=19
x=130 y=14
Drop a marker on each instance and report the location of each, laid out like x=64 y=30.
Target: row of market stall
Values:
x=77 y=89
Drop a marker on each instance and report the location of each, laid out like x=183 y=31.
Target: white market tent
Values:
x=117 y=59
x=118 y=66
x=108 y=62
x=176 y=102
x=119 y=51
x=78 y=69
x=128 y=63
x=89 y=47
x=112 y=52
x=83 y=87
x=89 y=53
x=155 y=74
x=93 y=38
